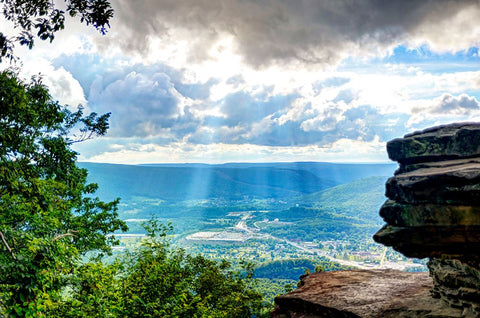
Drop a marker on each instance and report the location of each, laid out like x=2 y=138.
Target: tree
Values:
x=42 y=19
x=165 y=282
x=49 y=215
x=156 y=280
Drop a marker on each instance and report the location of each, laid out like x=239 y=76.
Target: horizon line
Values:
x=241 y=162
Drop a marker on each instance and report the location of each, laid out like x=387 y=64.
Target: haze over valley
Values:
x=284 y=217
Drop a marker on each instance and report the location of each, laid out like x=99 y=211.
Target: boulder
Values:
x=436 y=164
x=456 y=282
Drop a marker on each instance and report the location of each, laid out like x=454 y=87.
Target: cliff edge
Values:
x=432 y=211
x=363 y=293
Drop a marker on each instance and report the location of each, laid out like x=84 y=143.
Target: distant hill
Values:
x=228 y=181
x=339 y=173
x=347 y=210
x=361 y=199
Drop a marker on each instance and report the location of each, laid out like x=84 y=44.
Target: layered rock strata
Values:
x=434 y=208
x=432 y=211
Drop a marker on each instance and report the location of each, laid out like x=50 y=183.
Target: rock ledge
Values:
x=364 y=293
x=433 y=211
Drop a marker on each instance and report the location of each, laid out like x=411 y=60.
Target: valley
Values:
x=242 y=232
x=270 y=216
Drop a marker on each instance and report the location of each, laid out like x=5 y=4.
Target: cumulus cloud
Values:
x=363 y=123
x=159 y=105
x=144 y=105
x=242 y=108
x=462 y=104
x=447 y=104
x=61 y=84
x=305 y=31
x=144 y=101
x=326 y=123
x=221 y=80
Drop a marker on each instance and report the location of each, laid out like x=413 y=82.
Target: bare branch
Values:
x=7 y=246
x=63 y=235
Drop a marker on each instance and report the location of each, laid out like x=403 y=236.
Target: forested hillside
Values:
x=358 y=198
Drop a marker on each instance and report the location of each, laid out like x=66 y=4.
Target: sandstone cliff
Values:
x=363 y=293
x=432 y=211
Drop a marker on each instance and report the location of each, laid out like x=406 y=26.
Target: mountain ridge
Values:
x=230 y=181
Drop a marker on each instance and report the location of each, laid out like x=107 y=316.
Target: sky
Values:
x=217 y=81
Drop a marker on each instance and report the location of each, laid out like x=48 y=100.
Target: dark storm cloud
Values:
x=267 y=31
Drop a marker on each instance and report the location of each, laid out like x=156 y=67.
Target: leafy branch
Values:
x=42 y=19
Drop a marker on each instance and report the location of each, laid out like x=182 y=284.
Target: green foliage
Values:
x=319 y=269
x=49 y=214
x=294 y=268
x=361 y=198
x=93 y=291
x=42 y=19
x=170 y=283
x=271 y=288
x=156 y=280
